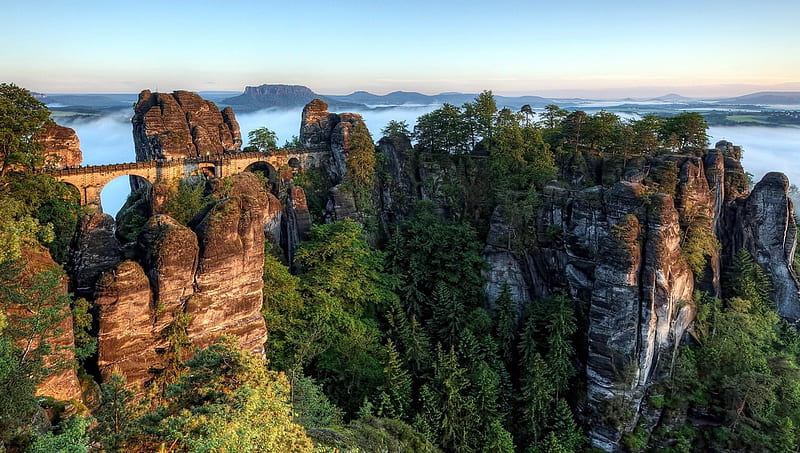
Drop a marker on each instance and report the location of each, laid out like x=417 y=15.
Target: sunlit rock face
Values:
x=62 y=383
x=182 y=124
x=324 y=131
x=62 y=148
x=195 y=283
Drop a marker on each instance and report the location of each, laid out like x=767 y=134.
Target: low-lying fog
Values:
x=109 y=139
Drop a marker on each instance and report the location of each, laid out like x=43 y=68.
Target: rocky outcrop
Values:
x=296 y=221
x=230 y=268
x=504 y=267
x=764 y=224
x=617 y=251
x=324 y=131
x=197 y=284
x=94 y=250
x=396 y=183
x=169 y=252
x=126 y=342
x=62 y=383
x=316 y=126
x=62 y=148
x=182 y=124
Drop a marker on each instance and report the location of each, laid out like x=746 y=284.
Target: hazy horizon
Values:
x=699 y=92
x=595 y=48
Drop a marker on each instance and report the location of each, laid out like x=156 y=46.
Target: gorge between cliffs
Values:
x=487 y=280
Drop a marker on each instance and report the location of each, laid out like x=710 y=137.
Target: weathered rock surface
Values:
x=94 y=250
x=617 y=250
x=229 y=273
x=182 y=124
x=296 y=221
x=206 y=282
x=316 y=126
x=397 y=184
x=324 y=131
x=169 y=254
x=62 y=148
x=63 y=383
x=126 y=342
x=764 y=224
x=504 y=268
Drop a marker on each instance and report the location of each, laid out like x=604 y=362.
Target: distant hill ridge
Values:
x=285 y=96
x=766 y=97
x=280 y=96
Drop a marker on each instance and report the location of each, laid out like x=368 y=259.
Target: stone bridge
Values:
x=90 y=180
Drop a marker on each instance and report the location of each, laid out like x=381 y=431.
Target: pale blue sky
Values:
x=601 y=48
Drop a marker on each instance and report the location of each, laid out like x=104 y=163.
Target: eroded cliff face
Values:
x=94 y=250
x=182 y=124
x=62 y=148
x=611 y=235
x=321 y=130
x=764 y=224
x=187 y=284
x=63 y=383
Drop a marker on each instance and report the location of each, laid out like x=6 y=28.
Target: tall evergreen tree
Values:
x=396 y=392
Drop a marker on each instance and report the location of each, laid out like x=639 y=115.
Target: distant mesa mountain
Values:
x=280 y=96
x=673 y=97
x=414 y=98
x=766 y=97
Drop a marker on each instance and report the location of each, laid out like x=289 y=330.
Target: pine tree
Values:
x=417 y=344
x=396 y=392
x=536 y=396
x=457 y=408
x=448 y=314
x=562 y=425
x=498 y=439
x=748 y=280
x=114 y=414
x=560 y=350
x=505 y=324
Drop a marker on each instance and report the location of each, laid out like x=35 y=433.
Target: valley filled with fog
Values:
x=109 y=139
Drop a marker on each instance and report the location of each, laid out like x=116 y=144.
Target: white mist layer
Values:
x=765 y=149
x=106 y=140
x=109 y=139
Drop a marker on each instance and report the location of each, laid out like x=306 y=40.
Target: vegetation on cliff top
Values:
x=397 y=350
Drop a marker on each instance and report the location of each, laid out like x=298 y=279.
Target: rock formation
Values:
x=324 y=131
x=94 y=250
x=182 y=124
x=764 y=224
x=198 y=284
x=63 y=383
x=611 y=237
x=62 y=148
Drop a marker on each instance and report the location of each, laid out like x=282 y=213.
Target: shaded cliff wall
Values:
x=611 y=234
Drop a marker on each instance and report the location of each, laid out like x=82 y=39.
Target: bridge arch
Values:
x=115 y=193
